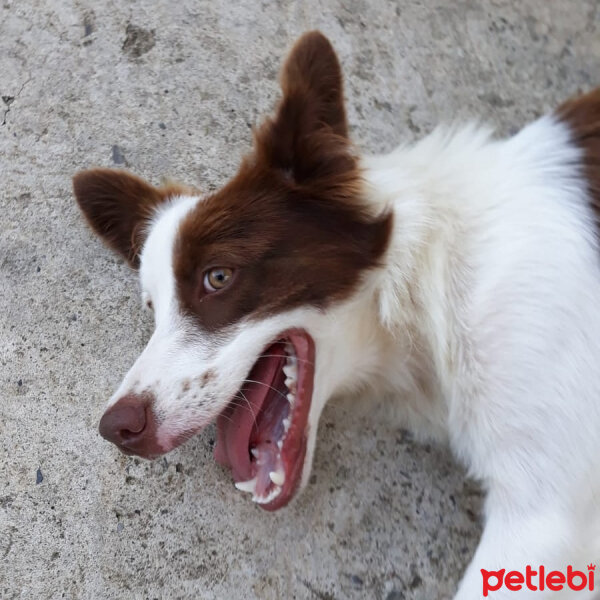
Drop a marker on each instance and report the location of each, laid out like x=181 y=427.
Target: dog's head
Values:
x=250 y=287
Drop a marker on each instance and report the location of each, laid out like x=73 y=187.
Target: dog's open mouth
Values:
x=262 y=433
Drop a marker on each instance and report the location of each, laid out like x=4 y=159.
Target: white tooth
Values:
x=277 y=477
x=280 y=444
x=291 y=361
x=271 y=496
x=286 y=424
x=289 y=349
x=290 y=371
x=246 y=486
x=254 y=452
x=291 y=398
x=290 y=384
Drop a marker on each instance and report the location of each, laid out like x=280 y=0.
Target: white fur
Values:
x=485 y=320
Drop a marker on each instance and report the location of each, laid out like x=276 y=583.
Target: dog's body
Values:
x=462 y=274
x=492 y=277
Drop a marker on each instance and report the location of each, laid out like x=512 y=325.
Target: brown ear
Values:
x=312 y=74
x=117 y=205
x=310 y=122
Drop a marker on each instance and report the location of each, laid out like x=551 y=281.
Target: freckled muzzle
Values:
x=131 y=425
x=262 y=431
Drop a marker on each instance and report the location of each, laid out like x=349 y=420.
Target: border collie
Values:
x=461 y=273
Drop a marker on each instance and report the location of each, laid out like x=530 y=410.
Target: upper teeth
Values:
x=291 y=374
x=291 y=371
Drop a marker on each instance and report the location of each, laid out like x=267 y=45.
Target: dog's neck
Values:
x=418 y=293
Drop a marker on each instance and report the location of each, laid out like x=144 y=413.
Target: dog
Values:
x=461 y=274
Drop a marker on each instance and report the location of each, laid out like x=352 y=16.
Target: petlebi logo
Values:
x=538 y=580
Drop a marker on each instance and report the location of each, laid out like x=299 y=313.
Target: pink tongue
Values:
x=235 y=423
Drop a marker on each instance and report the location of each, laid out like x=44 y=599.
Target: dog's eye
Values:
x=149 y=304
x=218 y=278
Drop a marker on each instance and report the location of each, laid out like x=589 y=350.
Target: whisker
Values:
x=267 y=385
x=279 y=356
x=249 y=406
x=239 y=404
x=224 y=416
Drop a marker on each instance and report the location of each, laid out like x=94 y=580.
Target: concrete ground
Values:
x=171 y=89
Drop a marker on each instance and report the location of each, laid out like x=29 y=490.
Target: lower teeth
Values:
x=277 y=477
x=270 y=496
x=246 y=486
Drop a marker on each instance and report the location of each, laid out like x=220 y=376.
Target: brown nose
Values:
x=130 y=425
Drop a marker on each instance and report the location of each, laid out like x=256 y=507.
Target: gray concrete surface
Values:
x=170 y=89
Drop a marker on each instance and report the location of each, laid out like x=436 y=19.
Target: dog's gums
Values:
x=262 y=432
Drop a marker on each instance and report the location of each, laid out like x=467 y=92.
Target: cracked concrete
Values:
x=171 y=89
x=8 y=100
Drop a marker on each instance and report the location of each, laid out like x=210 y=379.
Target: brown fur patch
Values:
x=292 y=223
x=582 y=115
x=117 y=205
x=206 y=377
